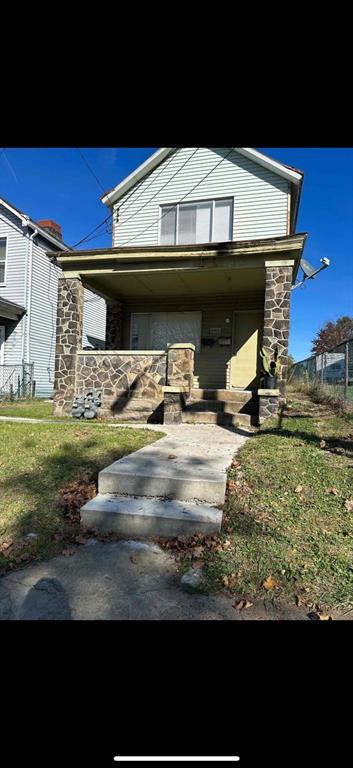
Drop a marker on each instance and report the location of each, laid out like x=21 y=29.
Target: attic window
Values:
x=2 y=259
x=206 y=221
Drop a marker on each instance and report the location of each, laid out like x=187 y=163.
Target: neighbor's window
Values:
x=209 y=221
x=2 y=259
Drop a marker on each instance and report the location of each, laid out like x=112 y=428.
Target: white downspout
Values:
x=30 y=270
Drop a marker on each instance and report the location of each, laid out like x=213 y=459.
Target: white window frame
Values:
x=4 y=262
x=211 y=200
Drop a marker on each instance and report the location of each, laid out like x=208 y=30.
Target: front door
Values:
x=246 y=346
x=2 y=344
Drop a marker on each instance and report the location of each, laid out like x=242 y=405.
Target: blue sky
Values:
x=56 y=184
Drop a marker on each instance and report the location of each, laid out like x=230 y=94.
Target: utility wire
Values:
x=160 y=189
x=179 y=201
x=88 y=237
x=141 y=183
x=91 y=170
x=92 y=236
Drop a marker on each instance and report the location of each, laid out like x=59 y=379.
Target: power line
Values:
x=136 y=187
x=160 y=189
x=92 y=232
x=91 y=170
x=179 y=201
x=88 y=237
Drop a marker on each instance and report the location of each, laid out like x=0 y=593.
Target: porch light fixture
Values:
x=309 y=271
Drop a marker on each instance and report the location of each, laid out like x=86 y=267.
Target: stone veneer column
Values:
x=180 y=371
x=276 y=317
x=68 y=340
x=114 y=324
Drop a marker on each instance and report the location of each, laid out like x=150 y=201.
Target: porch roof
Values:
x=236 y=266
x=10 y=310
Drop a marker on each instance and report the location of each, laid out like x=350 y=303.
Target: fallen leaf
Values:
x=300 y=442
x=6 y=545
x=269 y=583
x=241 y=604
x=349 y=505
x=198 y=551
x=315 y=616
x=339 y=450
x=298 y=489
x=299 y=600
x=229 y=581
x=325 y=617
x=322 y=443
x=69 y=551
x=197 y=565
x=333 y=490
x=172 y=456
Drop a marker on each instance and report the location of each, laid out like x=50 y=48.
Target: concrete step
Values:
x=222 y=394
x=144 y=516
x=222 y=419
x=221 y=406
x=155 y=472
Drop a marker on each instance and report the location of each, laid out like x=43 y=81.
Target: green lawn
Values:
x=287 y=514
x=34 y=408
x=47 y=472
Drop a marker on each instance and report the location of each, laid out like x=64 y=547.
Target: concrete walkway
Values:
x=119 y=580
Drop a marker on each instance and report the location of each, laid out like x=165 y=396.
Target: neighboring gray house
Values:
x=28 y=298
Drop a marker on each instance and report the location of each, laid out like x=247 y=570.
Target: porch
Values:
x=181 y=321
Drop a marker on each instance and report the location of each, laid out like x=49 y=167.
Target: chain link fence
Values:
x=333 y=368
x=16 y=381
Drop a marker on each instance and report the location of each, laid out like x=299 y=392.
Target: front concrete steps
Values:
x=225 y=407
x=158 y=476
x=143 y=516
x=222 y=419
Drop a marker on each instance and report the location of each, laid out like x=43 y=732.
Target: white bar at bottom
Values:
x=174 y=759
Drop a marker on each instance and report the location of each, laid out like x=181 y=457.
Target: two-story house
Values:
x=28 y=302
x=199 y=277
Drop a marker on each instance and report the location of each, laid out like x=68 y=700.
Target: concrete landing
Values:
x=126 y=580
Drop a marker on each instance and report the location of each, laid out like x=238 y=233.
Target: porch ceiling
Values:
x=191 y=282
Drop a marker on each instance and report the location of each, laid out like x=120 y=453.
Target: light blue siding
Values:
x=32 y=282
x=260 y=196
x=14 y=288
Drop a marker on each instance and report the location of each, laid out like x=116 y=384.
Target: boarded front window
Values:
x=2 y=259
x=155 y=330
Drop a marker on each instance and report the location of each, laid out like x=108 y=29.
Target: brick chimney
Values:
x=51 y=227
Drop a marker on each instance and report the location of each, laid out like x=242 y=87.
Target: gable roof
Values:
x=26 y=221
x=286 y=171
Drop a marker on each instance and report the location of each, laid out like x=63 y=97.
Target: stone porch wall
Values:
x=131 y=383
